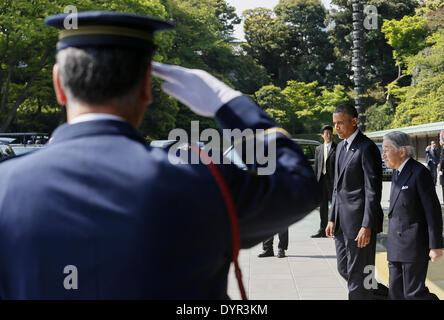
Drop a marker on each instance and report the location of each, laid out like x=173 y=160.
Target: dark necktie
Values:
x=342 y=155
x=394 y=179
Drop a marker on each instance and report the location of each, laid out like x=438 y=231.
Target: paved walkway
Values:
x=307 y=273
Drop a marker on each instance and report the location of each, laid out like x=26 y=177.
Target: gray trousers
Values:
x=352 y=262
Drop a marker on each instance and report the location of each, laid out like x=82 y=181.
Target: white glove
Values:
x=197 y=89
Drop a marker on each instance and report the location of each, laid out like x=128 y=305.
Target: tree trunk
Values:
x=388 y=98
x=24 y=95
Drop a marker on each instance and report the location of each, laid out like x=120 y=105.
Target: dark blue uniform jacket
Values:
x=134 y=225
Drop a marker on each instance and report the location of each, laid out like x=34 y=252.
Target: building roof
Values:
x=422 y=129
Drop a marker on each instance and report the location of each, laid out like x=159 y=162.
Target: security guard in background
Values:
x=88 y=216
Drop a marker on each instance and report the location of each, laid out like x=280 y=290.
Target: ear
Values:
x=145 y=90
x=355 y=122
x=403 y=152
x=60 y=93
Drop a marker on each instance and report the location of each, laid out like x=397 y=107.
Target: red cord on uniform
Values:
x=232 y=213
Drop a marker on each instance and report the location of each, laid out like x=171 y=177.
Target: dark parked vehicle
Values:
x=308 y=148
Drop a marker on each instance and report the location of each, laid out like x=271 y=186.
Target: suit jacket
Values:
x=330 y=165
x=357 y=188
x=415 y=218
x=133 y=224
x=441 y=176
x=432 y=155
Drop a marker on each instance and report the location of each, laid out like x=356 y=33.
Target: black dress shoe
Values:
x=281 y=253
x=320 y=234
x=266 y=254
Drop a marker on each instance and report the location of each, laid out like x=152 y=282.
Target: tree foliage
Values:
x=295 y=62
x=291 y=41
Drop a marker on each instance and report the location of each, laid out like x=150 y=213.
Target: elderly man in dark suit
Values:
x=324 y=172
x=356 y=214
x=86 y=216
x=415 y=221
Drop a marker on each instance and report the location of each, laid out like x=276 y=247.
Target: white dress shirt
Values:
x=402 y=166
x=351 y=138
x=326 y=151
x=95 y=116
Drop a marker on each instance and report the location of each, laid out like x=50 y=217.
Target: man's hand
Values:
x=363 y=237
x=330 y=230
x=435 y=254
x=197 y=89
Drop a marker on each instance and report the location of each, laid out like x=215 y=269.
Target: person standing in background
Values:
x=325 y=173
x=432 y=159
x=441 y=165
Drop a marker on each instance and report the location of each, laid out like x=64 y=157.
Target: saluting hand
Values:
x=197 y=89
x=363 y=237
x=435 y=254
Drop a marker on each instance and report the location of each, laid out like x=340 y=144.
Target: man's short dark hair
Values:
x=347 y=108
x=326 y=127
x=100 y=74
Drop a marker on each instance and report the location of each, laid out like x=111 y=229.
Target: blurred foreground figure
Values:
x=99 y=215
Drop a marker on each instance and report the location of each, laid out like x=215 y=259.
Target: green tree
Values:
x=378 y=60
x=407 y=37
x=422 y=101
x=271 y=99
x=291 y=41
x=27 y=50
x=379 y=117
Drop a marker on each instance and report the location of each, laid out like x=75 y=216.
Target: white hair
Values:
x=401 y=140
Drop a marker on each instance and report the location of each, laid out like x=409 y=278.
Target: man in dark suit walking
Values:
x=415 y=221
x=324 y=172
x=356 y=214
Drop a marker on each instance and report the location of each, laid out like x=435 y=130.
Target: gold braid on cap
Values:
x=107 y=30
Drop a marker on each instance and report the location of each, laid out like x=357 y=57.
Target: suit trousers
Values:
x=326 y=197
x=407 y=281
x=433 y=170
x=267 y=245
x=352 y=262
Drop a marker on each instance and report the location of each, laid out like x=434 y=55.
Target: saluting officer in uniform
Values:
x=415 y=221
x=96 y=204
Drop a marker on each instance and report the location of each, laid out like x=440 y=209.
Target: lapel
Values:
x=350 y=153
x=402 y=179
